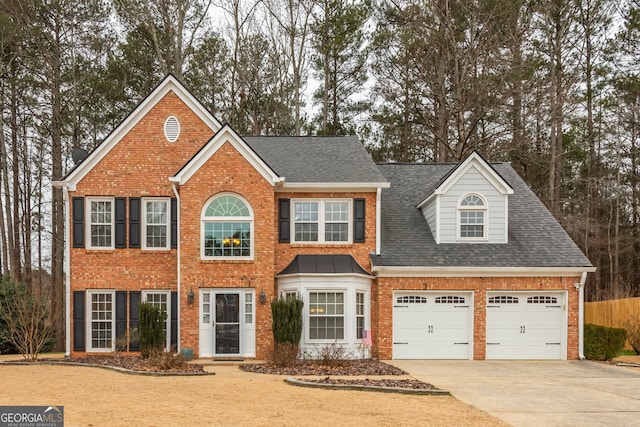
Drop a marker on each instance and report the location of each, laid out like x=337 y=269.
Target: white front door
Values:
x=432 y=325
x=526 y=325
x=226 y=323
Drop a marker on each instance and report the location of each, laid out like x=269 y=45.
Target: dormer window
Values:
x=472 y=218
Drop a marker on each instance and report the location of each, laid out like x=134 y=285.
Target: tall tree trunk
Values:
x=3 y=179
x=442 y=115
x=15 y=258
x=8 y=216
x=57 y=209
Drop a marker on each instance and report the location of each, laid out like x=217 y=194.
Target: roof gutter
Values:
x=580 y=287
x=394 y=271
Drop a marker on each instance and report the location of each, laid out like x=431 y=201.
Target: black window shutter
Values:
x=174 y=222
x=358 y=220
x=134 y=318
x=134 y=222
x=284 y=214
x=121 y=222
x=78 y=222
x=121 y=314
x=174 y=320
x=78 y=321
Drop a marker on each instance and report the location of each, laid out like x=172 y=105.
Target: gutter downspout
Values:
x=580 y=287
x=175 y=191
x=67 y=273
x=378 y=215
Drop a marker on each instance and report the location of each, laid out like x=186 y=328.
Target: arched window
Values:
x=472 y=217
x=227 y=228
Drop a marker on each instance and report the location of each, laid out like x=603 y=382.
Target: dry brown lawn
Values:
x=100 y=397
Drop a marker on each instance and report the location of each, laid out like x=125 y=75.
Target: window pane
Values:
x=326 y=315
x=306 y=232
x=336 y=232
x=472 y=201
x=156 y=236
x=336 y=216
x=100 y=228
x=336 y=211
x=156 y=228
x=306 y=211
x=227 y=206
x=227 y=239
x=471 y=224
x=101 y=320
x=359 y=314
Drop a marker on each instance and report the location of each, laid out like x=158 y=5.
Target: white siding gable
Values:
x=473 y=182
x=472 y=177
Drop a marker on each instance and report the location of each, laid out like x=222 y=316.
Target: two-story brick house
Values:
x=423 y=260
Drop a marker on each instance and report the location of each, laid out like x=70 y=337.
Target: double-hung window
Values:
x=101 y=328
x=100 y=226
x=322 y=221
x=161 y=299
x=360 y=314
x=155 y=229
x=472 y=218
x=227 y=228
x=326 y=315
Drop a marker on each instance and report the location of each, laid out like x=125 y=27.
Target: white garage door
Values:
x=526 y=325
x=429 y=325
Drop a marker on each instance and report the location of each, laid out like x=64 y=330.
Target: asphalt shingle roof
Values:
x=536 y=239
x=317 y=158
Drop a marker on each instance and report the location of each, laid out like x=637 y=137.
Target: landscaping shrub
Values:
x=333 y=355
x=603 y=343
x=286 y=313
x=152 y=333
x=632 y=325
x=24 y=320
x=6 y=296
x=164 y=361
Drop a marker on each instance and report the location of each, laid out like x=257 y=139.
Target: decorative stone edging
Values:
x=628 y=365
x=302 y=383
x=111 y=368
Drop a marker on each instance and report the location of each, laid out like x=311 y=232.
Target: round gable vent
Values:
x=172 y=129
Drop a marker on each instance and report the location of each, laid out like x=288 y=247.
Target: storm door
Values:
x=225 y=317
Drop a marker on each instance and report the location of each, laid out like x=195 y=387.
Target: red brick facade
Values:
x=140 y=165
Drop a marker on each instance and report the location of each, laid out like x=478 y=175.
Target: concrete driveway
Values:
x=539 y=393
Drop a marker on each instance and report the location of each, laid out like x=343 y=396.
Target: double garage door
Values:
x=439 y=325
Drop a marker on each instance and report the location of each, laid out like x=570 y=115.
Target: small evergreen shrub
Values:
x=152 y=333
x=286 y=313
x=602 y=342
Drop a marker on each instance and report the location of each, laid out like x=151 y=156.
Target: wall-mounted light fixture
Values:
x=263 y=298
x=190 y=297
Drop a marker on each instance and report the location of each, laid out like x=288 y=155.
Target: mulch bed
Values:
x=340 y=368
x=131 y=363
x=358 y=367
